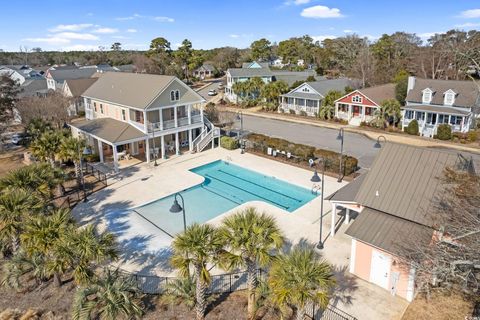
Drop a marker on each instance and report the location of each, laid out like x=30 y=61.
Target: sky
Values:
x=87 y=24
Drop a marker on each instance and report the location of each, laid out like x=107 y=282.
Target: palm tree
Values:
x=36 y=127
x=181 y=289
x=20 y=265
x=249 y=239
x=15 y=204
x=327 y=112
x=196 y=247
x=300 y=278
x=254 y=86
x=107 y=297
x=389 y=111
x=46 y=146
x=71 y=149
x=327 y=109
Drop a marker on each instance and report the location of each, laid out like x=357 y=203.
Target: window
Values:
x=124 y=115
x=95 y=106
x=89 y=101
x=174 y=95
x=455 y=120
x=420 y=116
x=305 y=90
x=357 y=99
x=342 y=107
x=101 y=108
x=449 y=98
x=427 y=96
x=409 y=114
x=442 y=118
x=177 y=95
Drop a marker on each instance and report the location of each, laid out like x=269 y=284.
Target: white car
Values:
x=17 y=138
x=212 y=93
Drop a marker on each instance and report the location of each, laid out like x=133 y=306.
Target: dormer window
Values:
x=427 y=96
x=357 y=99
x=449 y=97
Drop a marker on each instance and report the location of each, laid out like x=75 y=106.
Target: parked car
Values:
x=212 y=93
x=17 y=138
x=220 y=86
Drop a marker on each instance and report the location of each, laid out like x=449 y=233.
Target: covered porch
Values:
x=298 y=102
x=354 y=112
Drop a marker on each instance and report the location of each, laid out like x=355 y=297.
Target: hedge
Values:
x=444 y=132
x=412 y=128
x=228 y=143
x=301 y=152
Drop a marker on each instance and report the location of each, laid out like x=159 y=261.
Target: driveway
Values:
x=355 y=144
x=212 y=86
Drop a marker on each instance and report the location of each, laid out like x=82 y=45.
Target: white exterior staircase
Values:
x=207 y=136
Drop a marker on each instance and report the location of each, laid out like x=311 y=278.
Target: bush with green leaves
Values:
x=412 y=128
x=229 y=143
x=472 y=136
x=292 y=111
x=444 y=132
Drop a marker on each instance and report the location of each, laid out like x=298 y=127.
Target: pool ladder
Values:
x=315 y=189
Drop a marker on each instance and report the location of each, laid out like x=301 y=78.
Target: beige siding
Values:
x=109 y=111
x=186 y=96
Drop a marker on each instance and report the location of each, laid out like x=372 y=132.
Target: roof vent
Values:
x=377 y=194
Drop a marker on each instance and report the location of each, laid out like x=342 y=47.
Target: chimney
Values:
x=411 y=83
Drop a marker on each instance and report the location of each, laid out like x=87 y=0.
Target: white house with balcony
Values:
x=433 y=102
x=143 y=116
x=248 y=71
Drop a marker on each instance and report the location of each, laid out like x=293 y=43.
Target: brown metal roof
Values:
x=380 y=93
x=387 y=232
x=110 y=130
x=467 y=92
x=404 y=181
x=348 y=192
x=436 y=109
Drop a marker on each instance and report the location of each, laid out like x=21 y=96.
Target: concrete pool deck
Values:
x=145 y=249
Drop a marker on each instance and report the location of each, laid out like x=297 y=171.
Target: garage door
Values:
x=380 y=270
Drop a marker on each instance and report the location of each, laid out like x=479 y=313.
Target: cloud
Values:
x=71 y=27
x=120 y=37
x=468 y=25
x=164 y=19
x=81 y=47
x=321 y=12
x=132 y=30
x=76 y=36
x=105 y=30
x=90 y=14
x=49 y=40
x=322 y=37
x=296 y=2
x=348 y=31
x=469 y=14
x=235 y=36
x=139 y=16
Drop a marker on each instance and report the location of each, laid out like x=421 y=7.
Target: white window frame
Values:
x=357 y=99
x=172 y=95
x=427 y=96
x=449 y=98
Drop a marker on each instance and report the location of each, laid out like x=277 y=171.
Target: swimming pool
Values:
x=225 y=186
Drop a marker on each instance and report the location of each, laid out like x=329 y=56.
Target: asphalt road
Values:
x=212 y=86
x=355 y=144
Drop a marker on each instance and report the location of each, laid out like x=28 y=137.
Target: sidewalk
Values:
x=391 y=137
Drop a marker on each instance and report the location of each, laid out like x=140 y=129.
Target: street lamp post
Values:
x=340 y=137
x=377 y=144
x=176 y=208
x=154 y=148
x=240 y=117
x=316 y=178
x=85 y=151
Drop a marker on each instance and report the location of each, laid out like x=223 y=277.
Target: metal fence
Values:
x=89 y=169
x=230 y=282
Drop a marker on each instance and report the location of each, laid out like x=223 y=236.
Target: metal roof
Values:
x=436 y=109
x=387 y=232
x=348 y=192
x=110 y=130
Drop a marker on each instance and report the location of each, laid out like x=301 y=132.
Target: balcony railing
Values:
x=182 y=122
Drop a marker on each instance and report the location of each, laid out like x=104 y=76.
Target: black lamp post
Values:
x=316 y=178
x=240 y=117
x=176 y=208
x=85 y=151
x=377 y=144
x=154 y=148
x=340 y=136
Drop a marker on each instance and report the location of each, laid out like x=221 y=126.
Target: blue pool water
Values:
x=226 y=186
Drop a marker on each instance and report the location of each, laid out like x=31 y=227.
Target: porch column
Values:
x=190 y=146
x=334 y=215
x=147 y=149
x=175 y=116
x=132 y=149
x=177 y=144
x=347 y=216
x=160 y=118
x=189 y=112
x=162 y=146
x=336 y=109
x=350 y=111
x=115 y=158
x=100 y=150
x=201 y=114
x=145 y=122
x=363 y=113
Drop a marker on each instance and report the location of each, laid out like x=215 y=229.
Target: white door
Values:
x=380 y=270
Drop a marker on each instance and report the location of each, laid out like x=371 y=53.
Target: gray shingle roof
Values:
x=324 y=86
x=468 y=94
x=387 y=232
x=437 y=109
x=250 y=72
x=67 y=74
x=108 y=129
x=32 y=87
x=78 y=86
x=380 y=93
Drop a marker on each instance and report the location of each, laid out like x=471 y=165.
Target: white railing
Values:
x=183 y=121
x=197 y=118
x=342 y=115
x=168 y=124
x=137 y=125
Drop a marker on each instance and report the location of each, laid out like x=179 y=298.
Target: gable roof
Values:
x=252 y=65
x=250 y=72
x=348 y=192
x=468 y=94
x=109 y=129
x=380 y=93
x=324 y=86
x=207 y=67
x=68 y=74
x=78 y=86
x=404 y=182
x=136 y=90
x=32 y=87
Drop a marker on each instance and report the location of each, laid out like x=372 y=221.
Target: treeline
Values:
x=454 y=54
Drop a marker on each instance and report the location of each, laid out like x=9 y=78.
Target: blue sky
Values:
x=87 y=24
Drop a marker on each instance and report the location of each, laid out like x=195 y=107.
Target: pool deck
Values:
x=145 y=249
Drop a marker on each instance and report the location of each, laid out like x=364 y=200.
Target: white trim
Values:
x=304 y=84
x=364 y=95
x=353 y=253
x=411 y=284
x=113 y=103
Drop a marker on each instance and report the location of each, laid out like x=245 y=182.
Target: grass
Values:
x=441 y=306
x=10 y=162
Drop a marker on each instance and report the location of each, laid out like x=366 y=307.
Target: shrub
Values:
x=81 y=113
x=292 y=111
x=412 y=128
x=211 y=112
x=229 y=143
x=303 y=113
x=472 y=136
x=444 y=132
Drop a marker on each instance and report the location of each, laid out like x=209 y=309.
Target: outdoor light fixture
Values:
x=315 y=177
x=377 y=144
x=242 y=143
x=176 y=208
